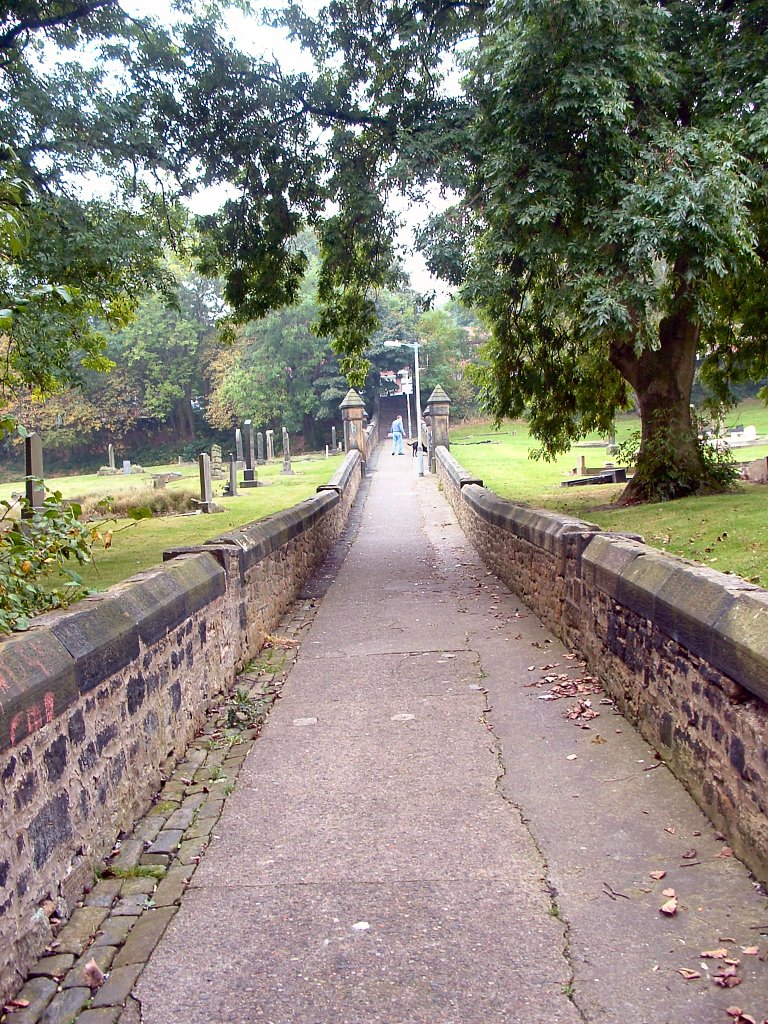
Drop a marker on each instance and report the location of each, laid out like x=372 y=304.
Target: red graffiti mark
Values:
x=14 y=726
x=34 y=718
x=48 y=700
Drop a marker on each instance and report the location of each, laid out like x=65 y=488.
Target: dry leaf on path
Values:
x=750 y=950
x=669 y=908
x=658 y=875
x=688 y=974
x=670 y=893
x=714 y=954
x=727 y=978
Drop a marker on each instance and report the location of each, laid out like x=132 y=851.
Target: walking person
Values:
x=397 y=436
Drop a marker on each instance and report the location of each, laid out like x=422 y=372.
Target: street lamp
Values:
x=415 y=346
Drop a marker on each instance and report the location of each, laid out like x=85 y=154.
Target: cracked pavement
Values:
x=417 y=838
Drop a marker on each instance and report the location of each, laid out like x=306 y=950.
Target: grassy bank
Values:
x=140 y=545
x=728 y=532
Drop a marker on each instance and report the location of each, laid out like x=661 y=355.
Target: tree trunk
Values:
x=669 y=463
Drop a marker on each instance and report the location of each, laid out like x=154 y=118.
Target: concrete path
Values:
x=417 y=838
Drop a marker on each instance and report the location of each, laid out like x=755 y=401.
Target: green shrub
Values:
x=34 y=552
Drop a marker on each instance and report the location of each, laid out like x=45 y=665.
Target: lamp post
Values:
x=417 y=397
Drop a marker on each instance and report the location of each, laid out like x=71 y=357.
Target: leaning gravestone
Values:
x=249 y=473
x=111 y=456
x=286 y=470
x=270 y=445
x=217 y=473
x=232 y=476
x=34 y=489
x=333 y=438
x=260 y=448
x=239 y=448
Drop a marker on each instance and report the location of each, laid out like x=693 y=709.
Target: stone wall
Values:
x=97 y=702
x=683 y=649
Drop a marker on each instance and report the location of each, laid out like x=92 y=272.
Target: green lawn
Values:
x=140 y=545
x=728 y=532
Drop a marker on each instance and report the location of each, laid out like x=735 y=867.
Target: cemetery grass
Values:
x=139 y=545
x=727 y=532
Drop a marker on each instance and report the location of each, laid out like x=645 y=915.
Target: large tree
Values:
x=609 y=156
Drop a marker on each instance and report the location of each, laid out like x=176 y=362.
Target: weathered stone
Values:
x=134 y=886
x=167 y=841
x=147 y=828
x=144 y=937
x=38 y=992
x=130 y=906
x=191 y=850
x=65 y=1006
x=172 y=887
x=103 y=955
x=118 y=986
x=104 y=893
x=80 y=929
x=201 y=829
x=129 y=855
x=180 y=819
x=106 y=1015
x=114 y=931
x=156 y=860
x=55 y=966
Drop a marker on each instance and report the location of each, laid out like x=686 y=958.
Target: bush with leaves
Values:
x=34 y=552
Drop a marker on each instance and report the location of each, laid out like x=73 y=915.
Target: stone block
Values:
x=80 y=929
x=641 y=580
x=65 y=1006
x=118 y=986
x=114 y=931
x=605 y=559
x=105 y=1015
x=100 y=635
x=38 y=992
x=200 y=578
x=740 y=642
x=38 y=681
x=55 y=966
x=144 y=937
x=103 y=955
x=155 y=601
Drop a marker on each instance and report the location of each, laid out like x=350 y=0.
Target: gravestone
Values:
x=127 y=467
x=333 y=438
x=217 y=473
x=34 y=489
x=249 y=473
x=286 y=470
x=206 y=494
x=239 y=448
x=232 y=476
x=111 y=456
x=270 y=445
x=260 y=448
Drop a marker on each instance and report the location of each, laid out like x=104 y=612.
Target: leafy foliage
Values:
x=35 y=556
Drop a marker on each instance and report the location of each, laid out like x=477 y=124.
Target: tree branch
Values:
x=32 y=24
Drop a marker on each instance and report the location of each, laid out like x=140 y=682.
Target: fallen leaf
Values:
x=658 y=875
x=689 y=854
x=750 y=950
x=669 y=908
x=688 y=974
x=714 y=954
x=670 y=893
x=727 y=978
x=599 y=739
x=734 y=1011
x=16 y=1004
x=726 y=852
x=93 y=975
x=670 y=830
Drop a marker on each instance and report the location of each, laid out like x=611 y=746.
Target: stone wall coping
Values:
x=258 y=540
x=340 y=479
x=454 y=470
x=718 y=617
x=67 y=653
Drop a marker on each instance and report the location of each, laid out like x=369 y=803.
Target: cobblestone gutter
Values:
x=122 y=918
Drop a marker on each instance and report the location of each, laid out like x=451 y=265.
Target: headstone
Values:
x=757 y=471
x=232 y=476
x=270 y=445
x=217 y=473
x=206 y=495
x=127 y=467
x=34 y=490
x=111 y=456
x=249 y=473
x=327 y=450
x=286 y=470
x=239 y=447
x=260 y=448
x=333 y=438
x=582 y=465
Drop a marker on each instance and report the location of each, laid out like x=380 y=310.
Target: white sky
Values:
x=260 y=40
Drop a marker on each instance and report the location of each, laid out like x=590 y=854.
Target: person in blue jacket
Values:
x=397 y=436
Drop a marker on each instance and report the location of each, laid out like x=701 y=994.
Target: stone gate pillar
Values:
x=439 y=405
x=352 y=410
